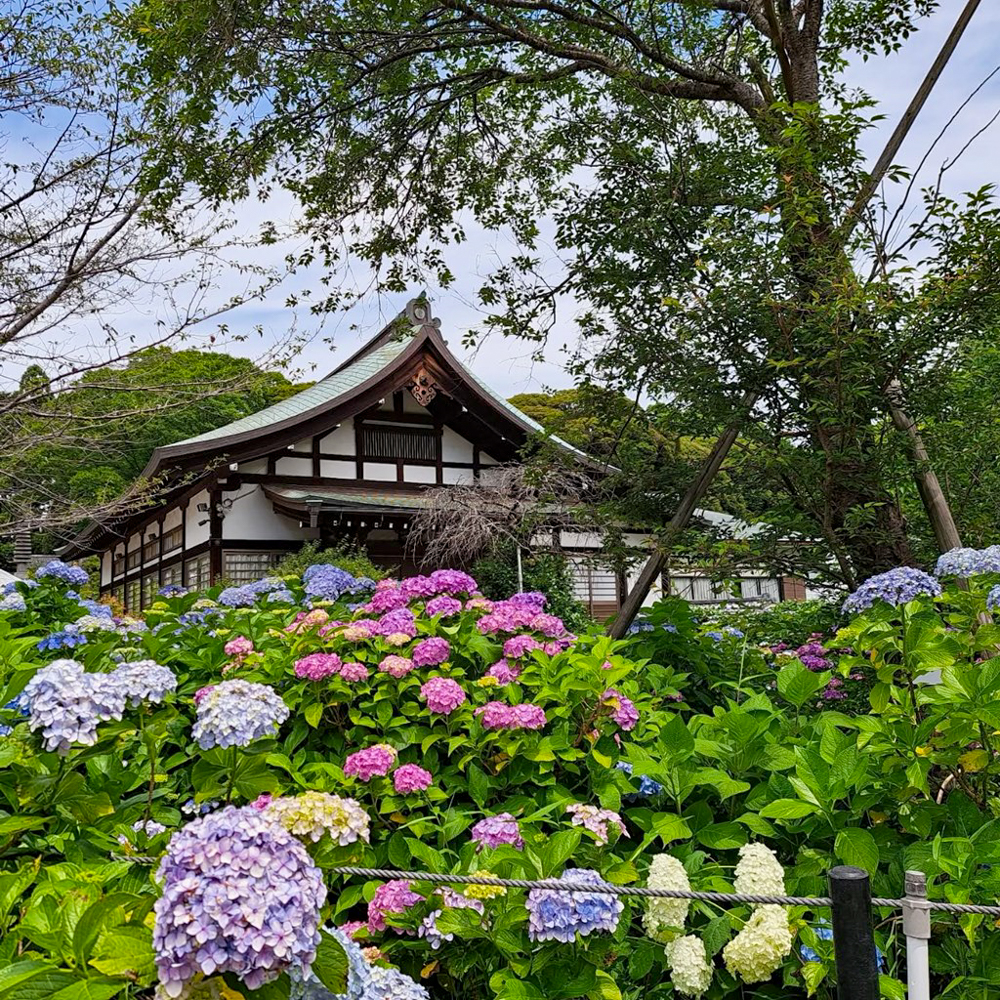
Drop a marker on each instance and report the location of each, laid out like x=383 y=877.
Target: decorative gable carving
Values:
x=422 y=386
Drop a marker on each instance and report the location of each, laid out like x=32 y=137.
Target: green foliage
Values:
x=791 y=622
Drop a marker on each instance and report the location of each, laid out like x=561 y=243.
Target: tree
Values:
x=81 y=247
x=698 y=161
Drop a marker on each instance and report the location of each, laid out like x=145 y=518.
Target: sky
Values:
x=508 y=364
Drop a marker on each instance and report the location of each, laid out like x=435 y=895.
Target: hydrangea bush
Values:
x=191 y=778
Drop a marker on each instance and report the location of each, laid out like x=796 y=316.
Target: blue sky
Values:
x=507 y=364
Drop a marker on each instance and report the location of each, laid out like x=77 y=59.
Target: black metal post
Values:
x=853 y=941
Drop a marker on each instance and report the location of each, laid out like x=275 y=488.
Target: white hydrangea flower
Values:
x=663 y=917
x=690 y=971
x=756 y=952
x=759 y=873
x=313 y=814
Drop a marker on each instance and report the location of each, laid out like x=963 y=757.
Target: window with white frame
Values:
x=198 y=572
x=245 y=567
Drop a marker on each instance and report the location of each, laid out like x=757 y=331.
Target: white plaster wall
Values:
x=252 y=516
x=382 y=472
x=419 y=474
x=172 y=519
x=105 y=568
x=457 y=477
x=330 y=469
x=485 y=459
x=454 y=447
x=289 y=466
x=580 y=539
x=196 y=534
x=306 y=446
x=257 y=467
x=340 y=441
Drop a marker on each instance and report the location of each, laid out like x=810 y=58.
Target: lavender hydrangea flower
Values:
x=444 y=606
x=240 y=895
x=560 y=916
x=963 y=563
x=896 y=587
x=993 y=599
x=453 y=581
x=66 y=704
x=325 y=582
x=65 y=638
x=431 y=652
x=145 y=680
x=13 y=602
x=235 y=713
x=56 y=569
x=496 y=830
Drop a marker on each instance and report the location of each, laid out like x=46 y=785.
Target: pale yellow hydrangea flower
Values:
x=313 y=814
x=484 y=891
x=666 y=872
x=756 y=952
x=759 y=873
x=690 y=971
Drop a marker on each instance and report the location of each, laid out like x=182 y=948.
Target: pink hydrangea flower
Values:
x=453 y=581
x=201 y=692
x=411 y=778
x=431 y=652
x=387 y=599
x=607 y=665
x=354 y=672
x=363 y=628
x=444 y=606
x=504 y=672
x=518 y=645
x=496 y=830
x=394 y=897
x=418 y=586
x=386 y=585
x=240 y=646
x=306 y=620
x=479 y=603
x=442 y=695
x=373 y=761
x=396 y=666
x=497 y=715
x=400 y=621
x=548 y=625
x=351 y=928
x=262 y=801
x=623 y=710
x=317 y=666
x=596 y=820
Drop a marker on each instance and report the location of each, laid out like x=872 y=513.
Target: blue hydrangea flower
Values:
x=56 y=569
x=95 y=623
x=240 y=895
x=66 y=703
x=734 y=632
x=824 y=932
x=560 y=916
x=13 y=602
x=235 y=713
x=964 y=563
x=896 y=587
x=648 y=788
x=282 y=596
x=145 y=680
x=640 y=626
x=12 y=587
x=714 y=636
x=18 y=704
x=993 y=599
x=67 y=638
x=172 y=590
x=95 y=608
x=192 y=808
x=324 y=582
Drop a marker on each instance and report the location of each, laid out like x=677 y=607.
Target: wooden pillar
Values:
x=214 y=536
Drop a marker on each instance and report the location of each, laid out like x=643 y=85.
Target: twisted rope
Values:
x=606 y=888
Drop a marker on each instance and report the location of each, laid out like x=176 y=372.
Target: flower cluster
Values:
x=896 y=587
x=497 y=830
x=431 y=652
x=497 y=715
x=66 y=703
x=504 y=672
x=247 y=594
x=13 y=602
x=648 y=788
x=145 y=680
x=993 y=599
x=373 y=761
x=758 y=872
x=239 y=647
x=398 y=626
x=411 y=778
x=235 y=713
x=444 y=606
x=396 y=666
x=392 y=897
x=442 y=695
x=317 y=666
x=560 y=916
x=520 y=645
x=313 y=814
x=623 y=710
x=65 y=638
x=94 y=623
x=473 y=891
x=596 y=820
x=757 y=951
x=353 y=671
x=324 y=582
x=240 y=895
x=56 y=569
x=964 y=563
x=690 y=972
x=665 y=917
x=813 y=655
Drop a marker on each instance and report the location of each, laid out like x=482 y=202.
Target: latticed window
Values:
x=172 y=539
x=150 y=585
x=172 y=575
x=119 y=565
x=386 y=441
x=245 y=567
x=134 y=593
x=134 y=558
x=151 y=549
x=198 y=571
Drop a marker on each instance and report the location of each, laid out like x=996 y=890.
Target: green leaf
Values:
x=891 y=988
x=798 y=684
x=40 y=985
x=126 y=951
x=813 y=973
x=559 y=849
x=479 y=785
x=641 y=959
x=668 y=828
x=18 y=972
x=676 y=739
x=605 y=989
x=787 y=809
x=715 y=935
x=857 y=847
x=89 y=925
x=330 y=964
x=722 y=836
x=11 y=825
x=313 y=713
x=89 y=990
x=14 y=884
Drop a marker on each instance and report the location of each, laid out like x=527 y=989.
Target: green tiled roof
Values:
x=351 y=499
x=321 y=392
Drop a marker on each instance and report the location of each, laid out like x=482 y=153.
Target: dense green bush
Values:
x=351 y=558
x=910 y=785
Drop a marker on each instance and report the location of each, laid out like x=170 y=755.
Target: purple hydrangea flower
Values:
x=504 y=672
x=444 y=606
x=373 y=761
x=519 y=645
x=235 y=713
x=240 y=895
x=398 y=622
x=317 y=666
x=560 y=916
x=393 y=897
x=56 y=569
x=896 y=587
x=430 y=652
x=623 y=710
x=496 y=830
x=964 y=563
x=411 y=778
x=453 y=581
x=442 y=695
x=497 y=715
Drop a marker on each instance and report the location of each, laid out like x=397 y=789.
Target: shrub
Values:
x=351 y=558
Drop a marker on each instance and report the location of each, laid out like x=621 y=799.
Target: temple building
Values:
x=348 y=459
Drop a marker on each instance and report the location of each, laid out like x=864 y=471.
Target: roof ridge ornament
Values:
x=422 y=386
x=418 y=312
